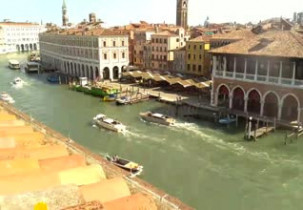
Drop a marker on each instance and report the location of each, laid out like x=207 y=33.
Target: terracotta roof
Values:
x=271 y=43
x=234 y=35
x=165 y=33
x=200 y=39
x=18 y=24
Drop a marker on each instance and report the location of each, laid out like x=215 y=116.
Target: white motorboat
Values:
x=102 y=121
x=32 y=67
x=157 y=118
x=18 y=82
x=13 y=64
x=7 y=98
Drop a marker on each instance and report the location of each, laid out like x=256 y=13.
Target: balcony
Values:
x=259 y=78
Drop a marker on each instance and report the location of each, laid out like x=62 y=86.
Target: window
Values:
x=157 y=40
x=188 y=67
x=188 y=56
x=123 y=55
x=123 y=43
x=195 y=47
x=188 y=47
x=165 y=41
x=104 y=44
x=194 y=57
x=114 y=43
x=194 y=67
x=178 y=40
x=199 y=68
x=160 y=40
x=115 y=56
x=200 y=47
x=105 y=56
x=153 y=40
x=200 y=57
x=164 y=57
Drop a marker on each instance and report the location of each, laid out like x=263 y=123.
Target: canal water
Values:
x=206 y=166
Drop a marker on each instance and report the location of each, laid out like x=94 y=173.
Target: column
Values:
x=268 y=69
x=214 y=65
x=245 y=68
x=280 y=72
x=111 y=74
x=280 y=111
x=235 y=67
x=299 y=115
x=262 y=107
x=293 y=74
x=224 y=66
x=230 y=101
x=256 y=70
x=245 y=103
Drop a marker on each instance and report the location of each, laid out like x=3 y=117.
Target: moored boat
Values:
x=32 y=67
x=126 y=164
x=110 y=98
x=102 y=121
x=157 y=118
x=7 y=98
x=13 y=64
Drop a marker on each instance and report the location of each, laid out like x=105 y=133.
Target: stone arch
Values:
x=87 y=72
x=35 y=46
x=123 y=69
x=290 y=106
x=106 y=73
x=223 y=92
x=72 y=68
x=254 y=98
x=271 y=104
x=18 y=48
x=22 y=48
x=26 y=47
x=238 y=95
x=83 y=71
x=97 y=73
x=30 y=47
x=116 y=72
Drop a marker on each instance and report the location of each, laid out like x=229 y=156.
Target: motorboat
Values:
x=18 y=82
x=124 y=100
x=228 y=120
x=157 y=118
x=110 y=98
x=125 y=164
x=32 y=67
x=102 y=121
x=7 y=98
x=13 y=64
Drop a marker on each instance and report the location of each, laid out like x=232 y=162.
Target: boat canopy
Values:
x=13 y=62
x=158 y=115
x=108 y=120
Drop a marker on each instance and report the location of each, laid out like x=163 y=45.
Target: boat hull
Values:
x=109 y=127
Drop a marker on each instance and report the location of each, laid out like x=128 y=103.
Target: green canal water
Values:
x=206 y=166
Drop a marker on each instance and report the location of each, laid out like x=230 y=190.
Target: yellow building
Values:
x=197 y=57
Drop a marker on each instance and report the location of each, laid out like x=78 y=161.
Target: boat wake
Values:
x=131 y=135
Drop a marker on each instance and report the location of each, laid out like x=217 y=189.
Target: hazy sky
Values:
x=121 y=12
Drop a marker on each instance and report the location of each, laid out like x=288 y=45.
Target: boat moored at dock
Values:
x=102 y=121
x=32 y=67
x=157 y=118
x=14 y=64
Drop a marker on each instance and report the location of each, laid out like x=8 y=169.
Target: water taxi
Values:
x=32 y=67
x=102 y=121
x=127 y=165
x=18 y=82
x=157 y=118
x=13 y=64
x=7 y=98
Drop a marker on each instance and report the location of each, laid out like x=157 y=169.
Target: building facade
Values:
x=93 y=54
x=261 y=76
x=141 y=38
x=198 y=58
x=19 y=37
x=179 y=60
x=162 y=45
x=182 y=13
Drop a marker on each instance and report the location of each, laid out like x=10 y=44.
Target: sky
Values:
x=122 y=12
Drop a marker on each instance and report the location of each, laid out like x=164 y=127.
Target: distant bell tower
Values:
x=182 y=13
x=64 y=14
